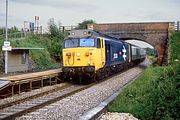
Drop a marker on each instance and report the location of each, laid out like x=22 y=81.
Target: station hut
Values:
x=18 y=59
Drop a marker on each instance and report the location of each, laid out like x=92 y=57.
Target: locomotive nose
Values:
x=78 y=57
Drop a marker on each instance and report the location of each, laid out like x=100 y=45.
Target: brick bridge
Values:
x=156 y=34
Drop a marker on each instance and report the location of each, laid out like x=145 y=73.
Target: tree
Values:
x=56 y=37
x=2 y=31
x=150 y=51
x=84 y=24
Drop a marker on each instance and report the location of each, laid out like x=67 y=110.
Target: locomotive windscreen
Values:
x=71 y=43
x=82 y=42
x=86 y=42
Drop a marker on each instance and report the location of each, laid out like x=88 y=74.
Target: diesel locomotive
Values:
x=93 y=55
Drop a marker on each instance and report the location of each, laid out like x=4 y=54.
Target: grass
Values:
x=175 y=45
x=155 y=94
x=42 y=58
x=153 y=60
x=50 y=56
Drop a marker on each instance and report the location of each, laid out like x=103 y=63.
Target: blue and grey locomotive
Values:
x=92 y=54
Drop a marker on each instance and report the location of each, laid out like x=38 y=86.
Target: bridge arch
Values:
x=152 y=51
x=154 y=33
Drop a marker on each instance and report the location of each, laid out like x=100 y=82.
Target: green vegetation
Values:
x=50 y=56
x=42 y=58
x=56 y=42
x=152 y=55
x=175 y=44
x=84 y=24
x=11 y=30
x=150 y=52
x=153 y=60
x=156 y=93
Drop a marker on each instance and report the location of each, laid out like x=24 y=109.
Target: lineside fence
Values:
x=177 y=26
x=18 y=35
x=14 y=35
x=24 y=34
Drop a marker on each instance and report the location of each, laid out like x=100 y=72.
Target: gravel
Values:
x=71 y=108
x=118 y=116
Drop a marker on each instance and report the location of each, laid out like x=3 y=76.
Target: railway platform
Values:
x=51 y=76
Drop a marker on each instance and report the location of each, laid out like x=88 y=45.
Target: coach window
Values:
x=98 y=43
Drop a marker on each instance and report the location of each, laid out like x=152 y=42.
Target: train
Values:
x=90 y=55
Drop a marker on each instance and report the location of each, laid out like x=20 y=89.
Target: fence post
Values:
x=177 y=25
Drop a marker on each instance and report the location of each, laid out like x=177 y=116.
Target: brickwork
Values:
x=154 y=33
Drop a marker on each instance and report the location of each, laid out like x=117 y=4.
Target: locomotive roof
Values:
x=88 y=33
x=83 y=33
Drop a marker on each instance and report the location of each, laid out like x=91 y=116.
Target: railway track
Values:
x=76 y=105
x=23 y=106
x=38 y=94
x=26 y=105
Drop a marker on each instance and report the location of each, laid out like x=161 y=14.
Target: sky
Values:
x=72 y=12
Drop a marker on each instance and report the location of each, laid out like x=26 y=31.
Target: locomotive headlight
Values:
x=73 y=33
x=78 y=54
x=87 y=53
x=68 y=54
x=85 y=33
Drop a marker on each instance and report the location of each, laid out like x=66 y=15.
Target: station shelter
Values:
x=18 y=59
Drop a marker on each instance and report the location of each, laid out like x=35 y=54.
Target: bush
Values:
x=155 y=94
x=56 y=37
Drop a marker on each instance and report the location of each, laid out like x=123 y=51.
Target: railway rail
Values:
x=18 y=100
x=26 y=105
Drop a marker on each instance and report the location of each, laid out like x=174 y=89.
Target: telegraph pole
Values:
x=6 y=52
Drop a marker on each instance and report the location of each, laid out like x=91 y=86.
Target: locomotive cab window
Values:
x=86 y=42
x=69 y=43
x=82 y=42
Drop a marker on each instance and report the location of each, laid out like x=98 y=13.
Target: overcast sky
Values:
x=72 y=12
